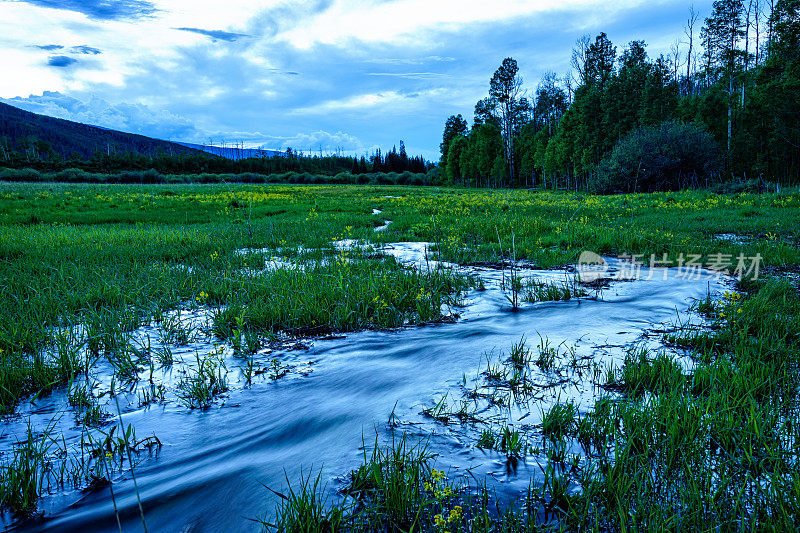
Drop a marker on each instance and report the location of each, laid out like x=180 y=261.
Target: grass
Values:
x=520 y=354
x=82 y=266
x=640 y=374
x=199 y=388
x=304 y=509
x=512 y=442
x=559 y=421
x=396 y=488
x=23 y=474
x=543 y=291
x=42 y=463
x=709 y=449
x=112 y=258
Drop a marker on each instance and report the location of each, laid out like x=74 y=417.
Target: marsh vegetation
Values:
x=129 y=309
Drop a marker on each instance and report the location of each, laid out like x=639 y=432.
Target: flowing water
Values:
x=341 y=391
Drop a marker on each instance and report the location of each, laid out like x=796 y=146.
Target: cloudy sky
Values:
x=323 y=74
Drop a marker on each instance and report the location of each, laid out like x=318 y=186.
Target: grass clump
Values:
x=520 y=354
x=350 y=293
x=512 y=442
x=22 y=476
x=304 y=509
x=640 y=374
x=559 y=421
x=546 y=291
x=197 y=390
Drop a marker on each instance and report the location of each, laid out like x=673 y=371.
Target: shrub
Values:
x=670 y=156
x=21 y=174
x=737 y=187
x=250 y=177
x=76 y=175
x=344 y=177
x=139 y=176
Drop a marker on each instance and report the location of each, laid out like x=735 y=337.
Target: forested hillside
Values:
x=724 y=104
x=30 y=136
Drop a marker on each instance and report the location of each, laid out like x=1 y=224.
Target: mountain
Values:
x=233 y=152
x=22 y=129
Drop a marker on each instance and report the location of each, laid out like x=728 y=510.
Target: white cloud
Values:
x=411 y=75
x=310 y=142
x=404 y=20
x=133 y=118
x=409 y=60
x=402 y=102
x=360 y=101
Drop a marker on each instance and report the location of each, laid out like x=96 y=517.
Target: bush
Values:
x=76 y=175
x=387 y=178
x=21 y=174
x=434 y=176
x=250 y=177
x=670 y=156
x=344 y=177
x=139 y=176
x=737 y=187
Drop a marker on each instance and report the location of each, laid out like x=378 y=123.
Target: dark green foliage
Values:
x=76 y=175
x=746 y=96
x=455 y=126
x=670 y=156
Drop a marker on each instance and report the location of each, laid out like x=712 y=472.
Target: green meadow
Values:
x=713 y=447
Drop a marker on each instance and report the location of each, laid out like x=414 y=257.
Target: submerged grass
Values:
x=22 y=476
x=543 y=291
x=208 y=380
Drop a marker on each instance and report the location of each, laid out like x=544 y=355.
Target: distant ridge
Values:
x=67 y=138
x=233 y=152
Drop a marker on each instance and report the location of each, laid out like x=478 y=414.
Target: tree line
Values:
x=32 y=152
x=723 y=103
x=42 y=143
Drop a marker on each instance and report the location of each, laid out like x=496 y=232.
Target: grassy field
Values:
x=81 y=265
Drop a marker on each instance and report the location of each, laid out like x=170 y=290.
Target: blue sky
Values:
x=322 y=74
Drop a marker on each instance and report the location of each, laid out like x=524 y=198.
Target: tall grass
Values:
x=22 y=476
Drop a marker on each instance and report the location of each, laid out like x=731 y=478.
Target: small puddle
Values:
x=209 y=474
x=733 y=238
x=384 y=227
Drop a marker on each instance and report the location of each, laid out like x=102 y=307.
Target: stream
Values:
x=339 y=393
